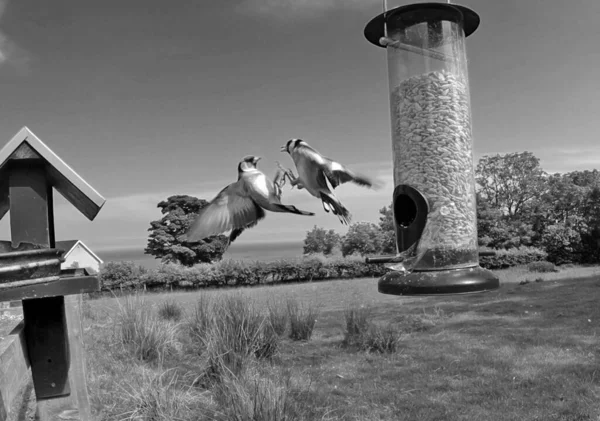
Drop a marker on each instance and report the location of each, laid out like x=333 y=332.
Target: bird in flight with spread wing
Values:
x=316 y=173
x=242 y=204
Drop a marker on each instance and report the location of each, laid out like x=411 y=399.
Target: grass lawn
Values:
x=524 y=352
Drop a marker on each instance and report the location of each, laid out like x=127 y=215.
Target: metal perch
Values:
x=387 y=42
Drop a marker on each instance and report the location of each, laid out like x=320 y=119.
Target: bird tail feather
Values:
x=292 y=209
x=336 y=207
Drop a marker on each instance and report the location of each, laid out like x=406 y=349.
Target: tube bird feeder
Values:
x=434 y=202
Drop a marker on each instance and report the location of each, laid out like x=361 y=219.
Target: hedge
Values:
x=512 y=257
x=124 y=276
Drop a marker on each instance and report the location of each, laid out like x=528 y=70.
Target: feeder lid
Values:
x=375 y=29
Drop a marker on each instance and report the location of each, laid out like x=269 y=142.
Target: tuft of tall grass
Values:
x=201 y=319
x=170 y=310
x=357 y=321
x=261 y=395
x=160 y=396
x=542 y=267
x=238 y=332
x=139 y=330
x=278 y=315
x=382 y=339
x=302 y=319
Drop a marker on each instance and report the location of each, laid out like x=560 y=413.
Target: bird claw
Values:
x=286 y=173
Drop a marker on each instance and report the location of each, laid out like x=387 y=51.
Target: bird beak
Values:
x=257 y=158
x=284 y=148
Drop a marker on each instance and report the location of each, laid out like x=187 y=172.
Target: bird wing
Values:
x=339 y=174
x=231 y=209
x=335 y=172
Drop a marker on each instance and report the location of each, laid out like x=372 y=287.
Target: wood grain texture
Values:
x=14 y=374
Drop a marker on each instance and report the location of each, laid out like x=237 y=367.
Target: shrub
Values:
x=562 y=243
x=512 y=257
x=126 y=276
x=122 y=275
x=302 y=320
x=541 y=267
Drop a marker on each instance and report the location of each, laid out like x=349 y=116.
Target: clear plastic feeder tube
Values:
x=431 y=129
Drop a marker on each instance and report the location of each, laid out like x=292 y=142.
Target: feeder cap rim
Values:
x=374 y=30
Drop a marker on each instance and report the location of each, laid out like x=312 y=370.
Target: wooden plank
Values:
x=4 y=194
x=82 y=202
x=68 y=183
x=14 y=374
x=47 y=346
x=77 y=372
x=64 y=286
x=29 y=220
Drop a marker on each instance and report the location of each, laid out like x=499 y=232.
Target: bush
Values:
x=512 y=257
x=541 y=267
x=123 y=276
x=120 y=275
x=562 y=243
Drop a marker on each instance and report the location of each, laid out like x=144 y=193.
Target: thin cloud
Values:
x=10 y=52
x=301 y=8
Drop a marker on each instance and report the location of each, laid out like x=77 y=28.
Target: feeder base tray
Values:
x=455 y=281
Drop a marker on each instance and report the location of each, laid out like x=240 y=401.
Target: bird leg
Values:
x=279 y=179
x=286 y=172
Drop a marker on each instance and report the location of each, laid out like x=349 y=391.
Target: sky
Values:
x=146 y=99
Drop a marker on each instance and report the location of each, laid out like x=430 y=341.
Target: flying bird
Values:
x=316 y=173
x=240 y=205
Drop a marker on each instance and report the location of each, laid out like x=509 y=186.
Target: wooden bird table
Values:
x=30 y=271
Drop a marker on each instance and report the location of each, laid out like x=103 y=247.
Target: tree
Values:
x=179 y=212
x=363 y=238
x=499 y=231
x=388 y=230
x=510 y=182
x=319 y=240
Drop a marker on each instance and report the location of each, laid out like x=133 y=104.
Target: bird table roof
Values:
x=26 y=145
